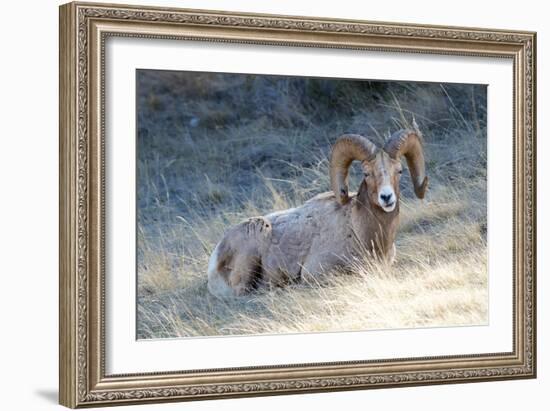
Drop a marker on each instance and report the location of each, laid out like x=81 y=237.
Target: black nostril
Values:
x=385 y=197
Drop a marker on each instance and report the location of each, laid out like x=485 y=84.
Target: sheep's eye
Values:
x=366 y=175
x=400 y=171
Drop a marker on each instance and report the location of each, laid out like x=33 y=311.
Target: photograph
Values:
x=270 y=204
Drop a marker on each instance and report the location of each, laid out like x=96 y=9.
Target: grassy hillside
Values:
x=214 y=149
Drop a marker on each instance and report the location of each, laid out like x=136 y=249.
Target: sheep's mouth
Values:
x=389 y=207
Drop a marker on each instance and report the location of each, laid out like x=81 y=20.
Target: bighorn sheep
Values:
x=329 y=229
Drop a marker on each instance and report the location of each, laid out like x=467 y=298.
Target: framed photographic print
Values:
x=258 y=204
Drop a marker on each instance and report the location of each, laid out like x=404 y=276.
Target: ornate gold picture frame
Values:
x=84 y=30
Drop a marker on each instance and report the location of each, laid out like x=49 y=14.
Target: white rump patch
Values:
x=216 y=284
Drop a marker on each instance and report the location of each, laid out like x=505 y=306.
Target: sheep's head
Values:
x=381 y=168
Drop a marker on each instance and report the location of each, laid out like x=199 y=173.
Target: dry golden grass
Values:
x=439 y=279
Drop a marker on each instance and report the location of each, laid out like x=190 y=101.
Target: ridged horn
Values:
x=347 y=148
x=408 y=143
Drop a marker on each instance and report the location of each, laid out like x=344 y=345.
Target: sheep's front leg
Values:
x=391 y=255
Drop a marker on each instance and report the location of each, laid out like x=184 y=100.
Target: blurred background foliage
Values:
x=208 y=140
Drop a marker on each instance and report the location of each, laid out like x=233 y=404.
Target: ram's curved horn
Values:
x=408 y=143
x=347 y=148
